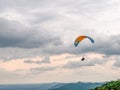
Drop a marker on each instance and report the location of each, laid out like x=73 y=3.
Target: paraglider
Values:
x=83 y=59
x=80 y=38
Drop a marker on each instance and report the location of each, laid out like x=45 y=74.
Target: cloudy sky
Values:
x=37 y=41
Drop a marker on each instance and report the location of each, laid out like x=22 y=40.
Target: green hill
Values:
x=113 y=85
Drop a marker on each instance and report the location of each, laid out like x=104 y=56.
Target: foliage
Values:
x=112 y=85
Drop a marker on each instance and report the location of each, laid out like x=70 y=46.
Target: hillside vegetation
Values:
x=112 y=85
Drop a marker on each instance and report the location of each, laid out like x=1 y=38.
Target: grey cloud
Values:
x=92 y=62
x=60 y=3
x=77 y=64
x=16 y=4
x=38 y=70
x=45 y=60
x=8 y=54
x=117 y=62
x=109 y=46
x=14 y=34
x=100 y=46
x=28 y=61
x=53 y=9
x=42 y=17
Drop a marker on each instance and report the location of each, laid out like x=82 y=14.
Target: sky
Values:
x=37 y=41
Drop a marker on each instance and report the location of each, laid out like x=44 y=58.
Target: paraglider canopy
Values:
x=80 y=38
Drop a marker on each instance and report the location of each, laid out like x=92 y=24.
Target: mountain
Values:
x=45 y=86
x=77 y=86
x=112 y=85
x=52 y=86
